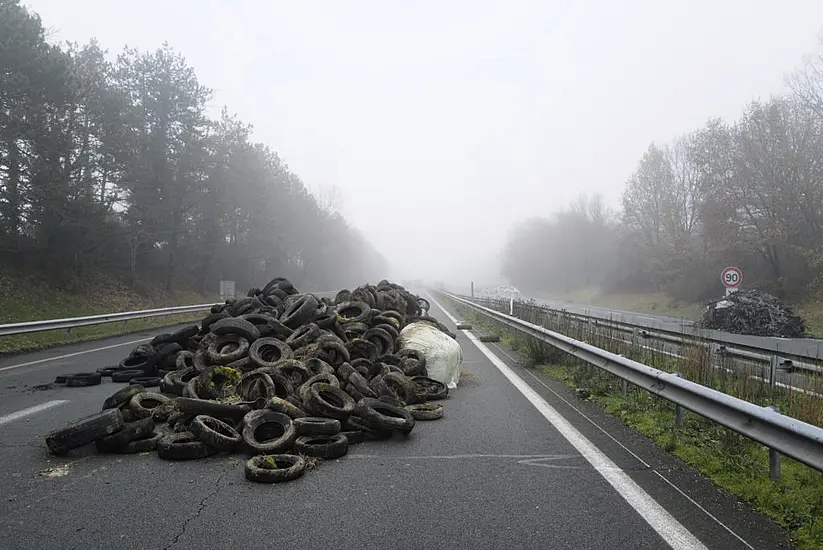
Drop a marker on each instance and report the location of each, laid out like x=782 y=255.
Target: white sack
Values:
x=442 y=352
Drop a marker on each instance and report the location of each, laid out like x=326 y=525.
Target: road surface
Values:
x=805 y=347
x=517 y=462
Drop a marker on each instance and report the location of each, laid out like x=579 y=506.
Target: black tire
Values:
x=303 y=336
x=181 y=336
x=256 y=384
x=205 y=324
x=134 y=362
x=380 y=338
x=294 y=371
x=143 y=445
x=106 y=372
x=227 y=349
x=429 y=389
x=426 y=411
x=121 y=397
x=132 y=431
x=268 y=432
x=318 y=366
x=157 y=360
x=344 y=371
x=356 y=424
x=282 y=406
x=464 y=326
x=144 y=403
x=183 y=446
x=326 y=447
x=231 y=325
x=401 y=387
x=84 y=431
x=215 y=433
x=328 y=401
x=83 y=379
x=176 y=380
x=379 y=415
x=266 y=352
x=302 y=311
x=274 y=468
x=146 y=381
x=359 y=383
x=359 y=348
x=353 y=311
x=126 y=375
x=489 y=338
x=313 y=425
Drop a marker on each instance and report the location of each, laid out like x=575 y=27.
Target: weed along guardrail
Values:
x=774 y=353
x=780 y=433
x=14 y=329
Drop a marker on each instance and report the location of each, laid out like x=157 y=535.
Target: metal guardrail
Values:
x=789 y=436
x=74 y=322
x=778 y=359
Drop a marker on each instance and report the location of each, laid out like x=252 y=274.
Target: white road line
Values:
x=30 y=411
x=671 y=530
x=30 y=363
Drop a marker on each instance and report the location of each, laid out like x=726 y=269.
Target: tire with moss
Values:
x=379 y=415
x=274 y=468
x=326 y=447
x=144 y=403
x=277 y=404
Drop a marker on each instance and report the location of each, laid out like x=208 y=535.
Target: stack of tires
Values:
x=283 y=376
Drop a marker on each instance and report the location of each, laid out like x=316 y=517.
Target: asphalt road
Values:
x=805 y=347
x=517 y=462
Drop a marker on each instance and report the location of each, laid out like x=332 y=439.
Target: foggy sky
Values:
x=444 y=123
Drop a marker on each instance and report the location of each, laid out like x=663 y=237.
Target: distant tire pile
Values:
x=285 y=377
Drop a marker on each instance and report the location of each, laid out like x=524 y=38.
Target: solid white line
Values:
x=671 y=530
x=30 y=363
x=31 y=410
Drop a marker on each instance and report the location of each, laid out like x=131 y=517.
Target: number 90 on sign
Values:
x=731 y=277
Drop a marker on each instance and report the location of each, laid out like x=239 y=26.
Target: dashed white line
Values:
x=669 y=529
x=47 y=359
x=30 y=411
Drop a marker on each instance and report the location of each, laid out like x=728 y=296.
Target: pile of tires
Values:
x=282 y=376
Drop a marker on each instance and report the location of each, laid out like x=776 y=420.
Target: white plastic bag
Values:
x=442 y=352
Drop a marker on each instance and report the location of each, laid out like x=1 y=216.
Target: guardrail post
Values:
x=774 y=364
x=774 y=458
x=678 y=410
x=125 y=325
x=68 y=333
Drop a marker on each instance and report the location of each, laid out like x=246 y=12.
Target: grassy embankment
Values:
x=731 y=461
x=661 y=304
x=24 y=297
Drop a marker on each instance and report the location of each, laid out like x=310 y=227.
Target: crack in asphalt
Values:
x=201 y=507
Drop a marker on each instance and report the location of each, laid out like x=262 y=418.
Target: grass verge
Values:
x=737 y=464
x=26 y=297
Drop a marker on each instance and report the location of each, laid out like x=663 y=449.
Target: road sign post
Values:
x=731 y=277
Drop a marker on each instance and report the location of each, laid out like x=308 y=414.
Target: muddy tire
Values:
x=325 y=447
x=239 y=327
x=266 y=352
x=84 y=431
x=489 y=338
x=132 y=431
x=146 y=381
x=144 y=403
x=183 y=446
x=121 y=397
x=274 y=468
x=284 y=407
x=268 y=432
x=215 y=433
x=303 y=336
x=379 y=415
x=429 y=389
x=464 y=326
x=126 y=375
x=301 y=311
x=328 y=401
x=426 y=411
x=313 y=425
x=143 y=445
x=83 y=379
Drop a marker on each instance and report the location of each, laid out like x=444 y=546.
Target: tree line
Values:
x=747 y=192
x=114 y=166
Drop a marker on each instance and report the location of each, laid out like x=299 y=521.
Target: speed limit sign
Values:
x=731 y=277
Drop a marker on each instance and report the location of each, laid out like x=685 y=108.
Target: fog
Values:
x=444 y=124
